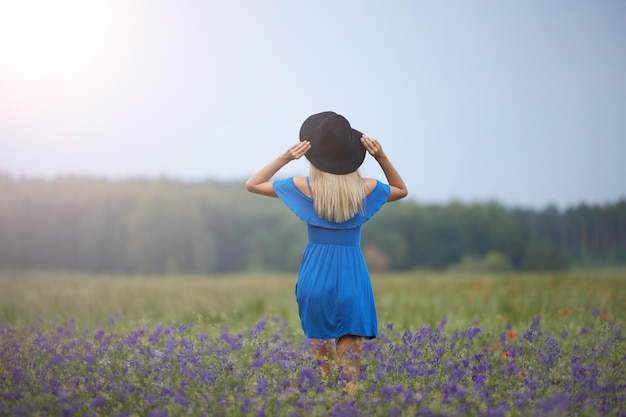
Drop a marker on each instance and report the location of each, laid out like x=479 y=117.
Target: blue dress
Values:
x=333 y=291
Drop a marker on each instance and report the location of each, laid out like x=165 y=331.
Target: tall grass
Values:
x=409 y=300
x=450 y=345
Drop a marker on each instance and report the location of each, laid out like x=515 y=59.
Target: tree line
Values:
x=156 y=226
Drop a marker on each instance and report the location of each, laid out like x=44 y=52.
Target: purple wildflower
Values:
x=184 y=327
x=452 y=391
x=245 y=406
x=132 y=339
x=472 y=332
x=166 y=392
x=17 y=376
x=440 y=351
x=497 y=411
x=579 y=374
x=262 y=387
x=99 y=335
x=304 y=403
x=258 y=328
x=411 y=371
x=390 y=391
x=98 y=402
x=235 y=342
x=208 y=378
x=115 y=317
x=156 y=335
x=186 y=344
x=345 y=410
x=556 y=404
x=394 y=412
x=181 y=399
x=308 y=378
x=519 y=399
x=425 y=412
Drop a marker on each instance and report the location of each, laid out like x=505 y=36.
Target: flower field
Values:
x=559 y=350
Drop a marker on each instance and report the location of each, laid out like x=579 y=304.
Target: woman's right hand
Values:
x=296 y=151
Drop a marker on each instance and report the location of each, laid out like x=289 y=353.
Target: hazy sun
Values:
x=46 y=36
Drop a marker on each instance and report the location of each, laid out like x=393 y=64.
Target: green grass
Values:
x=516 y=345
x=408 y=300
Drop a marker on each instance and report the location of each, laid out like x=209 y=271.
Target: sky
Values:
x=518 y=102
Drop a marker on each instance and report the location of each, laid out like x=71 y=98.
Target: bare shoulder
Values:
x=301 y=184
x=370 y=184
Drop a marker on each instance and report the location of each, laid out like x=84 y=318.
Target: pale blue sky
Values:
x=522 y=102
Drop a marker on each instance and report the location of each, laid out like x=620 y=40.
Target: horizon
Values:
x=234 y=181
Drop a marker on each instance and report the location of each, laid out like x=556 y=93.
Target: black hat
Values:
x=335 y=146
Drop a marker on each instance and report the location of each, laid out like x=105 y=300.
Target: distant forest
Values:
x=160 y=226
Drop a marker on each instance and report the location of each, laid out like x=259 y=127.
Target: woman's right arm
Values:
x=260 y=183
x=396 y=184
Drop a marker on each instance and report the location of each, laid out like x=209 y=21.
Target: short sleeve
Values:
x=300 y=204
x=376 y=199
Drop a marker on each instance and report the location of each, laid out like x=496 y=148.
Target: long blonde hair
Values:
x=337 y=197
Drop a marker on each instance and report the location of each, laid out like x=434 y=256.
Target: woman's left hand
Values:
x=373 y=146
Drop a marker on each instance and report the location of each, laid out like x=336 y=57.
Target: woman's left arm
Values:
x=260 y=182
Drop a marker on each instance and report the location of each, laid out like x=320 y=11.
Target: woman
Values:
x=333 y=291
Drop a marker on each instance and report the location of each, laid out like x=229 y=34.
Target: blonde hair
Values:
x=337 y=197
